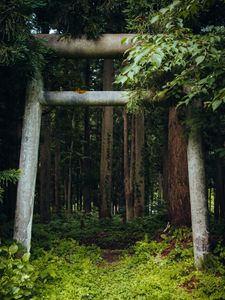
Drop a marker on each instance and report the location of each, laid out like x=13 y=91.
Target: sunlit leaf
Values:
x=26 y=257
x=216 y=104
x=154 y=19
x=124 y=41
x=156 y=59
x=200 y=59
x=13 y=249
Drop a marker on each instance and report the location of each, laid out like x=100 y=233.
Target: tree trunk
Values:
x=132 y=162
x=219 y=189
x=127 y=187
x=69 y=183
x=65 y=189
x=106 y=146
x=222 y=203
x=58 y=202
x=198 y=198
x=57 y=159
x=69 y=191
x=86 y=163
x=28 y=163
x=139 y=184
x=165 y=173
x=45 y=169
x=87 y=159
x=178 y=187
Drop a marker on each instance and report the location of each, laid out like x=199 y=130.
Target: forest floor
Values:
x=80 y=258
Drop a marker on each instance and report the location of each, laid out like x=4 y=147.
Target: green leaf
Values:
x=136 y=69
x=164 y=10
x=127 y=69
x=15 y=290
x=154 y=19
x=121 y=79
x=175 y=3
x=130 y=75
x=13 y=249
x=163 y=236
x=161 y=95
x=124 y=40
x=156 y=59
x=216 y=104
x=141 y=55
x=199 y=59
x=26 y=257
x=52 y=273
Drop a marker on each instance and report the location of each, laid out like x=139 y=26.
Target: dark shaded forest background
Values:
x=70 y=148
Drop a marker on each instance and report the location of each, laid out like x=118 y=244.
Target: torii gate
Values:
x=108 y=46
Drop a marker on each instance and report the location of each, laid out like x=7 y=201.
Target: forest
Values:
x=112 y=149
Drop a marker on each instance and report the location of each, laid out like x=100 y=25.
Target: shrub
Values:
x=17 y=275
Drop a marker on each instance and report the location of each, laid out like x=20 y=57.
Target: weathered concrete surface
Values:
x=84 y=98
x=197 y=188
x=28 y=163
x=107 y=46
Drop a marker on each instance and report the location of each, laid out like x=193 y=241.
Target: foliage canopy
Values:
x=184 y=59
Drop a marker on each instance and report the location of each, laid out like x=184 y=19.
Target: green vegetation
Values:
x=109 y=222
x=184 y=56
x=159 y=266
x=87 y=230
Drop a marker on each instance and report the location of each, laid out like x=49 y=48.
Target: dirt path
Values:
x=110 y=257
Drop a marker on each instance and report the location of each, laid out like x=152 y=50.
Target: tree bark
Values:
x=69 y=186
x=219 y=189
x=69 y=191
x=106 y=147
x=127 y=187
x=28 y=163
x=219 y=209
x=198 y=198
x=178 y=200
x=87 y=159
x=139 y=184
x=86 y=163
x=222 y=205
x=65 y=190
x=45 y=169
x=132 y=162
x=57 y=158
x=165 y=172
x=57 y=165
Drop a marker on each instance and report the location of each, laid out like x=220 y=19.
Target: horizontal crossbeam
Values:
x=85 y=98
x=107 y=46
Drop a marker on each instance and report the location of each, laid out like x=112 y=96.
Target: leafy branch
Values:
x=166 y=63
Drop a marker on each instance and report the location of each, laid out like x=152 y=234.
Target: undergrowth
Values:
x=160 y=266
x=88 y=230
